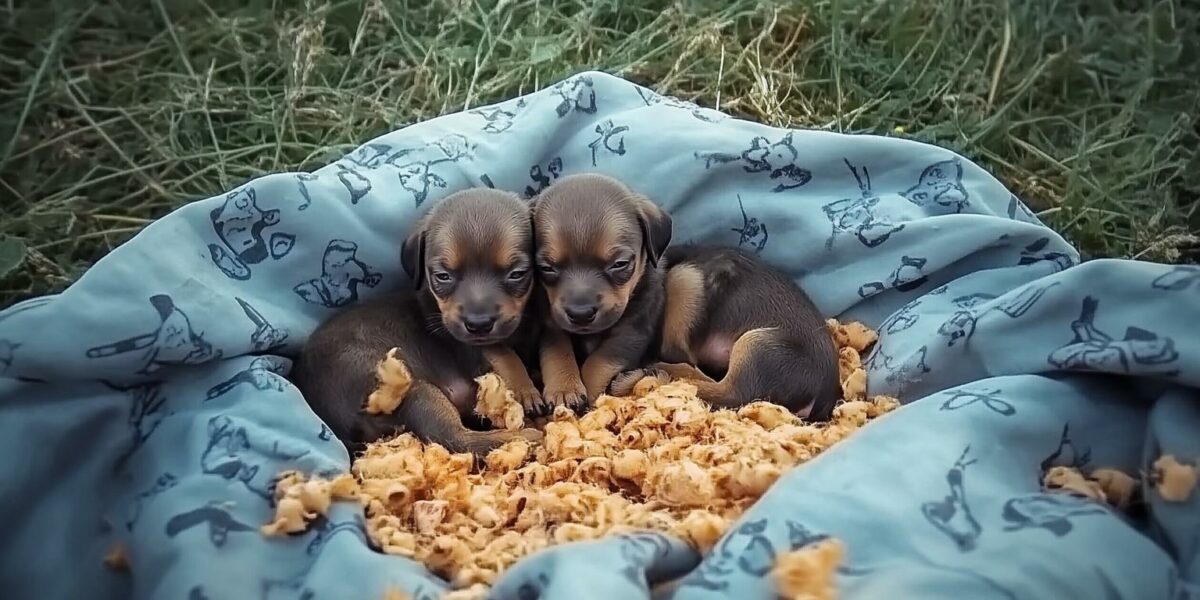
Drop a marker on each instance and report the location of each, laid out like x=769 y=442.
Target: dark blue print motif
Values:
x=899 y=376
x=858 y=216
x=707 y=115
x=576 y=94
x=777 y=159
x=800 y=536
x=1017 y=211
x=1051 y=512
x=1179 y=278
x=906 y=278
x=8 y=348
x=499 y=118
x=1033 y=254
x=264 y=373
x=163 y=483
x=940 y=186
x=146 y=404
x=355 y=183
x=416 y=167
x=240 y=224
x=215 y=519
x=952 y=515
x=1094 y=350
x=609 y=138
x=639 y=550
x=233 y=456
x=542 y=178
x=1066 y=454
x=341 y=274
x=7 y=353
x=990 y=399
x=754 y=554
x=302 y=180
x=902 y=319
x=325 y=434
x=265 y=337
x=752 y=235
x=373 y=156
x=174 y=342
x=961 y=325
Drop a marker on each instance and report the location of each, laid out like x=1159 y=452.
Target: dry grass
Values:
x=115 y=113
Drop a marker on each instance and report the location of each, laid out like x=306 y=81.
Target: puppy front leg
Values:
x=622 y=351
x=509 y=367
x=560 y=372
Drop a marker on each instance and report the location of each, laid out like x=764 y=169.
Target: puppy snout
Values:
x=479 y=324
x=580 y=314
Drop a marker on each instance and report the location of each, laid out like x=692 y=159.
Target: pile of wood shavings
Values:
x=659 y=460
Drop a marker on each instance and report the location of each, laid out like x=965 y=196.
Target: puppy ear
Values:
x=656 y=229
x=412 y=256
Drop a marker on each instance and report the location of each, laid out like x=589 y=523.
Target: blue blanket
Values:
x=148 y=404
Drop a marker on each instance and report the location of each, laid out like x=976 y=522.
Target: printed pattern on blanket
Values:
x=147 y=406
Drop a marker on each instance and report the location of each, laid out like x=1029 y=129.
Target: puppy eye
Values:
x=442 y=277
x=546 y=269
x=517 y=274
x=619 y=265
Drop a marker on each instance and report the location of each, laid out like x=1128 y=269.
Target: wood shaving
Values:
x=1173 y=479
x=809 y=573
x=496 y=403
x=660 y=460
x=394 y=383
x=394 y=594
x=1118 y=487
x=117 y=559
x=1070 y=480
x=851 y=335
x=1102 y=485
x=298 y=501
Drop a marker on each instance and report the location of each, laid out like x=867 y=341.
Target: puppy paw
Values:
x=626 y=384
x=574 y=399
x=530 y=400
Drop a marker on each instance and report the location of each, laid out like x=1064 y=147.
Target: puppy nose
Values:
x=478 y=324
x=580 y=315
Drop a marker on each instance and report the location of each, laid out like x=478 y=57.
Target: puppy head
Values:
x=596 y=238
x=474 y=253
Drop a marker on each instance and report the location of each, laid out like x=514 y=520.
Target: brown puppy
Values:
x=753 y=333
x=598 y=245
x=475 y=251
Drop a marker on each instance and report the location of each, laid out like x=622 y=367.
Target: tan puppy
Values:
x=471 y=262
x=742 y=331
x=597 y=251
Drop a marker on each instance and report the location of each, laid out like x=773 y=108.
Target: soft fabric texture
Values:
x=147 y=406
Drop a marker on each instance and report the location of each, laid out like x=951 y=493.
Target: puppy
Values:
x=471 y=264
x=597 y=251
x=750 y=330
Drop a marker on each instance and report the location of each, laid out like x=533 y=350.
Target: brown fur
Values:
x=482 y=239
x=597 y=250
x=742 y=331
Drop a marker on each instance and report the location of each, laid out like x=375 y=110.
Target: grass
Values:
x=114 y=113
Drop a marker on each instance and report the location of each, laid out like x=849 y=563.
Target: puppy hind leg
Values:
x=746 y=374
x=774 y=366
